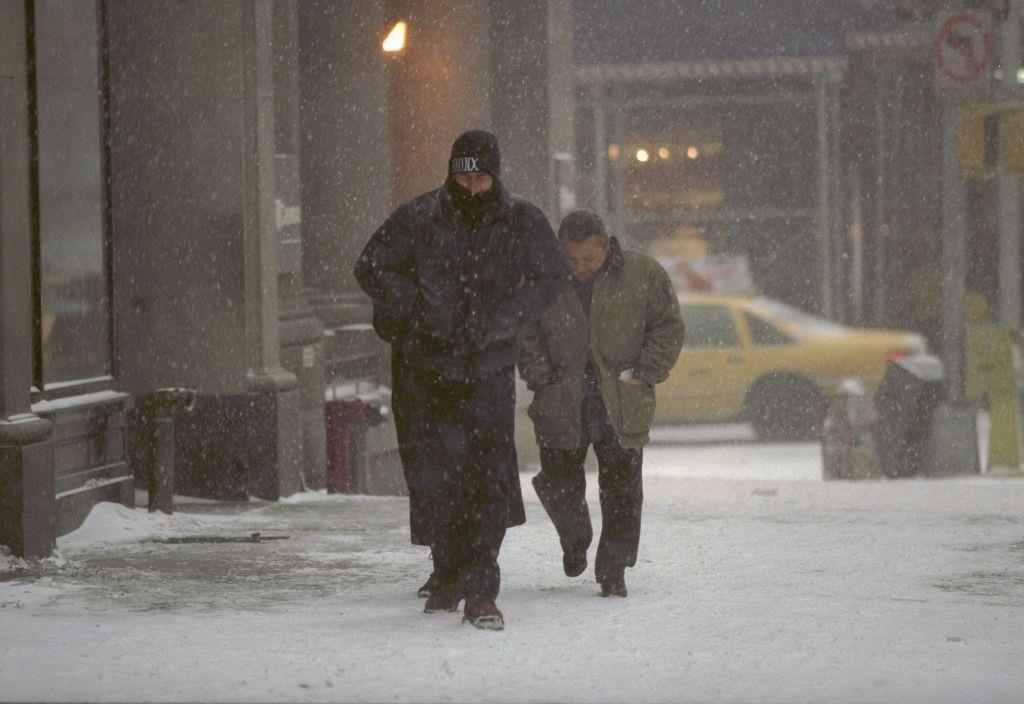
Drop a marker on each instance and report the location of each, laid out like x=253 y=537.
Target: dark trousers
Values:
x=561 y=486
x=464 y=465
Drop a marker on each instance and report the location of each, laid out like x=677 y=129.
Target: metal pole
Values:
x=857 y=246
x=616 y=190
x=823 y=214
x=840 y=273
x=601 y=150
x=1009 y=187
x=954 y=259
x=881 y=239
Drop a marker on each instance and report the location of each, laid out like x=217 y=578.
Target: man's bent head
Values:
x=584 y=241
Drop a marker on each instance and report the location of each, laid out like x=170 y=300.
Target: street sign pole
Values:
x=963 y=48
x=1009 y=186
x=954 y=258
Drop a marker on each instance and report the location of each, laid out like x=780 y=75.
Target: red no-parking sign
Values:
x=963 y=55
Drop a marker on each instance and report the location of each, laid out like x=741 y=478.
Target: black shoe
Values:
x=574 y=562
x=428 y=587
x=614 y=587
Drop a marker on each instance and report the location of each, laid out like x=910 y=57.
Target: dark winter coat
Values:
x=634 y=323
x=449 y=295
x=453 y=293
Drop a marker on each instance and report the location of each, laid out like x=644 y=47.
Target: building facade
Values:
x=184 y=188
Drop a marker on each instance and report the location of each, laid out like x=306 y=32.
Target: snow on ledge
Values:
x=96 y=398
x=110 y=523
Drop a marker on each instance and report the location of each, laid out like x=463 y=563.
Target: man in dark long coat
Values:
x=454 y=274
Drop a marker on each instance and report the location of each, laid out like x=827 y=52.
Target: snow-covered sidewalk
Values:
x=756 y=582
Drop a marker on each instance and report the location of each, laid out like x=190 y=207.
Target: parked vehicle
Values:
x=760 y=360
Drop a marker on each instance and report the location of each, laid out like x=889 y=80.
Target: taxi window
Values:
x=763 y=333
x=709 y=326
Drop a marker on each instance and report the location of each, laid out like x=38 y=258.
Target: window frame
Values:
x=40 y=391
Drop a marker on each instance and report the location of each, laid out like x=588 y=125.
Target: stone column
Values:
x=532 y=95
x=302 y=352
x=27 y=501
x=346 y=183
x=196 y=247
x=261 y=249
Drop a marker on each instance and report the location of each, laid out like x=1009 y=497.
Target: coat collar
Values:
x=616 y=260
x=613 y=264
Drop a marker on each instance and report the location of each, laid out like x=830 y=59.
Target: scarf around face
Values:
x=473 y=206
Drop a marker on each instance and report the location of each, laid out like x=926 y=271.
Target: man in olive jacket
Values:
x=592 y=361
x=454 y=274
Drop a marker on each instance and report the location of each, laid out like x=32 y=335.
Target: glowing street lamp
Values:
x=664 y=153
x=693 y=152
x=642 y=155
x=395 y=40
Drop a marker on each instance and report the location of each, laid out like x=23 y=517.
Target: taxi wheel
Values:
x=783 y=407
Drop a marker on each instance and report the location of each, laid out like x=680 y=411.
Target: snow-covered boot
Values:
x=445 y=597
x=483 y=613
x=428 y=587
x=614 y=587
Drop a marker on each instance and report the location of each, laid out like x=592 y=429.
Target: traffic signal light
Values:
x=991 y=140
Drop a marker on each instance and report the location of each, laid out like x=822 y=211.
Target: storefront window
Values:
x=74 y=320
x=669 y=160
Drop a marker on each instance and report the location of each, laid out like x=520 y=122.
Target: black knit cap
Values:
x=475 y=150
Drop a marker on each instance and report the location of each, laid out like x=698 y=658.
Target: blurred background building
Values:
x=804 y=136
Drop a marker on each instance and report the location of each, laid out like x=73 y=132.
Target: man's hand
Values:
x=637 y=382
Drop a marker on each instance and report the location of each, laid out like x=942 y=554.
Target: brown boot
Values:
x=483 y=613
x=574 y=562
x=614 y=587
x=445 y=597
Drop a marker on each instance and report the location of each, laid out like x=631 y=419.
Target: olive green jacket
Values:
x=634 y=324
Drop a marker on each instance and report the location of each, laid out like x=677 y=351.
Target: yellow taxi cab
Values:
x=756 y=359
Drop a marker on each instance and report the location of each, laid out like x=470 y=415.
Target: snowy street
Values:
x=756 y=582
x=764 y=257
